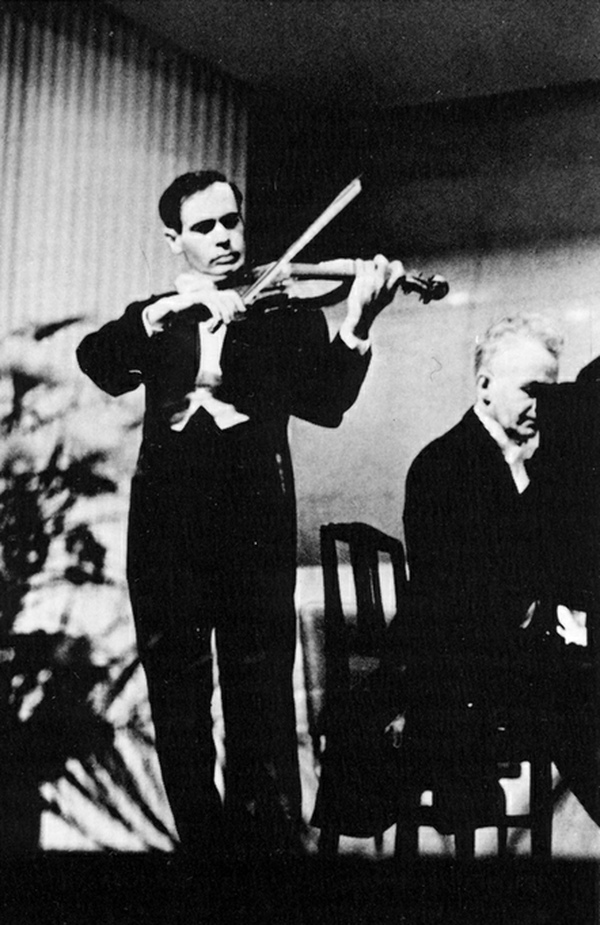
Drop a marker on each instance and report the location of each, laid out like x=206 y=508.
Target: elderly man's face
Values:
x=212 y=232
x=503 y=385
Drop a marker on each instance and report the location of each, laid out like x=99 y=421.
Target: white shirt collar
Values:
x=191 y=279
x=514 y=454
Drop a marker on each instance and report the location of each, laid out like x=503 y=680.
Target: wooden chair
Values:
x=341 y=641
x=412 y=814
x=495 y=744
x=344 y=625
x=523 y=736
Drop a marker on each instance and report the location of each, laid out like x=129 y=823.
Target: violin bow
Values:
x=340 y=202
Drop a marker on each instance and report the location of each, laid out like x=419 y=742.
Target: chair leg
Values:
x=464 y=844
x=541 y=808
x=329 y=841
x=378 y=839
x=406 y=843
x=502 y=841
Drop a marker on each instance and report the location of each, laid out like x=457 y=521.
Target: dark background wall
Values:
x=475 y=174
x=499 y=195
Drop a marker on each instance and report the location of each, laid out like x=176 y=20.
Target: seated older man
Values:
x=496 y=615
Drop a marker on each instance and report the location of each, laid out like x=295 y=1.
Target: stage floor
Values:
x=88 y=889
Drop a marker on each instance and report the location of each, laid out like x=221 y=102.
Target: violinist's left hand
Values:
x=572 y=625
x=374 y=287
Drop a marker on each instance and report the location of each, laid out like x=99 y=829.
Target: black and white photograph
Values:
x=299 y=462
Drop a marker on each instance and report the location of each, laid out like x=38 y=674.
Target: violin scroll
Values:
x=429 y=289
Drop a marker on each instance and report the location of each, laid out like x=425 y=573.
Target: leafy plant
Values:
x=67 y=712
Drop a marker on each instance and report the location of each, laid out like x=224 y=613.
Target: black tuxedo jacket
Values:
x=479 y=552
x=238 y=483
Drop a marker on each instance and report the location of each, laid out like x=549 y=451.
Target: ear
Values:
x=482 y=386
x=173 y=240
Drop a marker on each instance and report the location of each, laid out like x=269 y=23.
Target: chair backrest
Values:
x=358 y=634
x=353 y=636
x=333 y=630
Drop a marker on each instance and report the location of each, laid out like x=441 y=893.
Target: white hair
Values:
x=533 y=326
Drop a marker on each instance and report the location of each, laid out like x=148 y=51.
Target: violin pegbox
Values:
x=429 y=288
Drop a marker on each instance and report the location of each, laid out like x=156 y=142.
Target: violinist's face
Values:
x=503 y=385
x=212 y=232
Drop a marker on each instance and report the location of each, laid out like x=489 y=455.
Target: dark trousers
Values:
x=463 y=715
x=255 y=641
x=213 y=549
x=546 y=698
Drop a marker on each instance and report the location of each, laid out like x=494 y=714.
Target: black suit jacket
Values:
x=479 y=552
x=239 y=482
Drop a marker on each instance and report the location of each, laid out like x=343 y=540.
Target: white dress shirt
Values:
x=514 y=454
x=210 y=374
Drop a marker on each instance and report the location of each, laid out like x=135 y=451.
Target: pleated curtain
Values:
x=96 y=120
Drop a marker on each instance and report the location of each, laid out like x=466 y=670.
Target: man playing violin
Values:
x=212 y=523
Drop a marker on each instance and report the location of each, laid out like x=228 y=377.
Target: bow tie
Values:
x=516 y=456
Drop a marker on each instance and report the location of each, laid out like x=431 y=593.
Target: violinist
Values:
x=211 y=534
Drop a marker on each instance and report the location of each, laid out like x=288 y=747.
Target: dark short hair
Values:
x=169 y=205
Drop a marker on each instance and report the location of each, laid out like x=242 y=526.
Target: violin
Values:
x=308 y=286
x=296 y=288
x=284 y=284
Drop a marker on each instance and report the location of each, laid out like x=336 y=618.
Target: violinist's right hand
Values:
x=225 y=305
